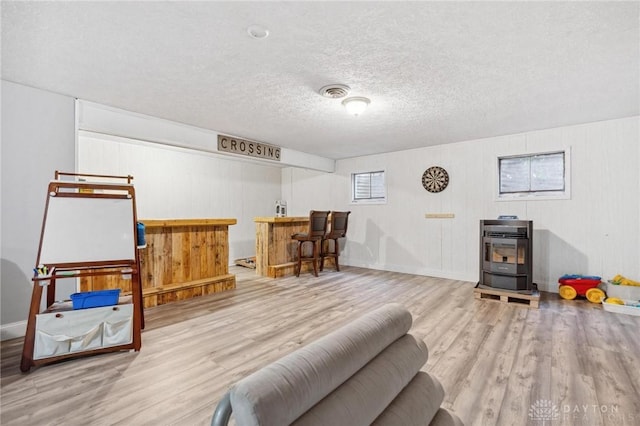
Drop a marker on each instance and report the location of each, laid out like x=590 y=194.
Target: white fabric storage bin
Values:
x=625 y=292
x=47 y=345
x=63 y=332
x=89 y=339
x=118 y=327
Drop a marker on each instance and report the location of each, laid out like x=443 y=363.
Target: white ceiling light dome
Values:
x=356 y=105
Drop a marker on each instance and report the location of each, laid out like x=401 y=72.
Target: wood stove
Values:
x=506 y=254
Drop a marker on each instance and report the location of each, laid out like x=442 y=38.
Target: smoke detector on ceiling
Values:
x=335 y=91
x=257 y=31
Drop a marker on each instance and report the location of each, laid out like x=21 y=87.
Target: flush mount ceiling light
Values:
x=335 y=91
x=356 y=105
x=257 y=31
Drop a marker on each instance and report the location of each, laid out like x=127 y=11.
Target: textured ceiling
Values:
x=436 y=72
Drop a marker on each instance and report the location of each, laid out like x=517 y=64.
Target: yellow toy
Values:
x=620 y=280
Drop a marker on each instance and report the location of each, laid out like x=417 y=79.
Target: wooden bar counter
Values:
x=276 y=252
x=184 y=258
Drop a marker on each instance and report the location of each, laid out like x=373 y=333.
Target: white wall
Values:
x=176 y=183
x=118 y=122
x=38 y=137
x=596 y=232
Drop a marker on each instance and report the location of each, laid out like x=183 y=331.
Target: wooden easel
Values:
x=69 y=249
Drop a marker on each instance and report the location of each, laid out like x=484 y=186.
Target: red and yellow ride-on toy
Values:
x=574 y=285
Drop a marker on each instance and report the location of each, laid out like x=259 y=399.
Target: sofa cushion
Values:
x=281 y=392
x=445 y=418
x=416 y=405
x=360 y=399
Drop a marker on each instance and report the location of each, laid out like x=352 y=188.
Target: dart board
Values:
x=435 y=179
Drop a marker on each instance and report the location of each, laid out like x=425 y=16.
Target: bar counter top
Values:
x=270 y=219
x=151 y=223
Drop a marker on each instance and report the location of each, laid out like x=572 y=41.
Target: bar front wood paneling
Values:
x=276 y=252
x=184 y=258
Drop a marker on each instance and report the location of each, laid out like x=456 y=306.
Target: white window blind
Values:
x=535 y=174
x=368 y=186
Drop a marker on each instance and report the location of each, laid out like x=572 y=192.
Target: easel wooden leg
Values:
x=138 y=313
x=29 y=337
x=51 y=292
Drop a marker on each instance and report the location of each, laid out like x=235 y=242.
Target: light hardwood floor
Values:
x=496 y=361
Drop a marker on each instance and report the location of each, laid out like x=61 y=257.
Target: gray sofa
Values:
x=367 y=372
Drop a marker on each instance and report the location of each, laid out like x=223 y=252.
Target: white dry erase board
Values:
x=88 y=230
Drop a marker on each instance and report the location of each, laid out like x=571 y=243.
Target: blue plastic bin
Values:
x=141 y=240
x=95 y=299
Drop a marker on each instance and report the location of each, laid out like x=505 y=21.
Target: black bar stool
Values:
x=317 y=230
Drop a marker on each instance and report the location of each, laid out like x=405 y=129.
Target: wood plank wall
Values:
x=179 y=262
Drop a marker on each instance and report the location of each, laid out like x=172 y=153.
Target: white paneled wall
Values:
x=596 y=232
x=38 y=138
x=177 y=183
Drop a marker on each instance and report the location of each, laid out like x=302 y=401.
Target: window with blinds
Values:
x=368 y=187
x=534 y=175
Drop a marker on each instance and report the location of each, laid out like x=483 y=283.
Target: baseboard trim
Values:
x=451 y=275
x=13 y=330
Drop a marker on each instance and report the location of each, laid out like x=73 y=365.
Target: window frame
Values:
x=564 y=194
x=382 y=200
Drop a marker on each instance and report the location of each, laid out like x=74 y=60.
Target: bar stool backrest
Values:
x=339 y=221
x=318 y=223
